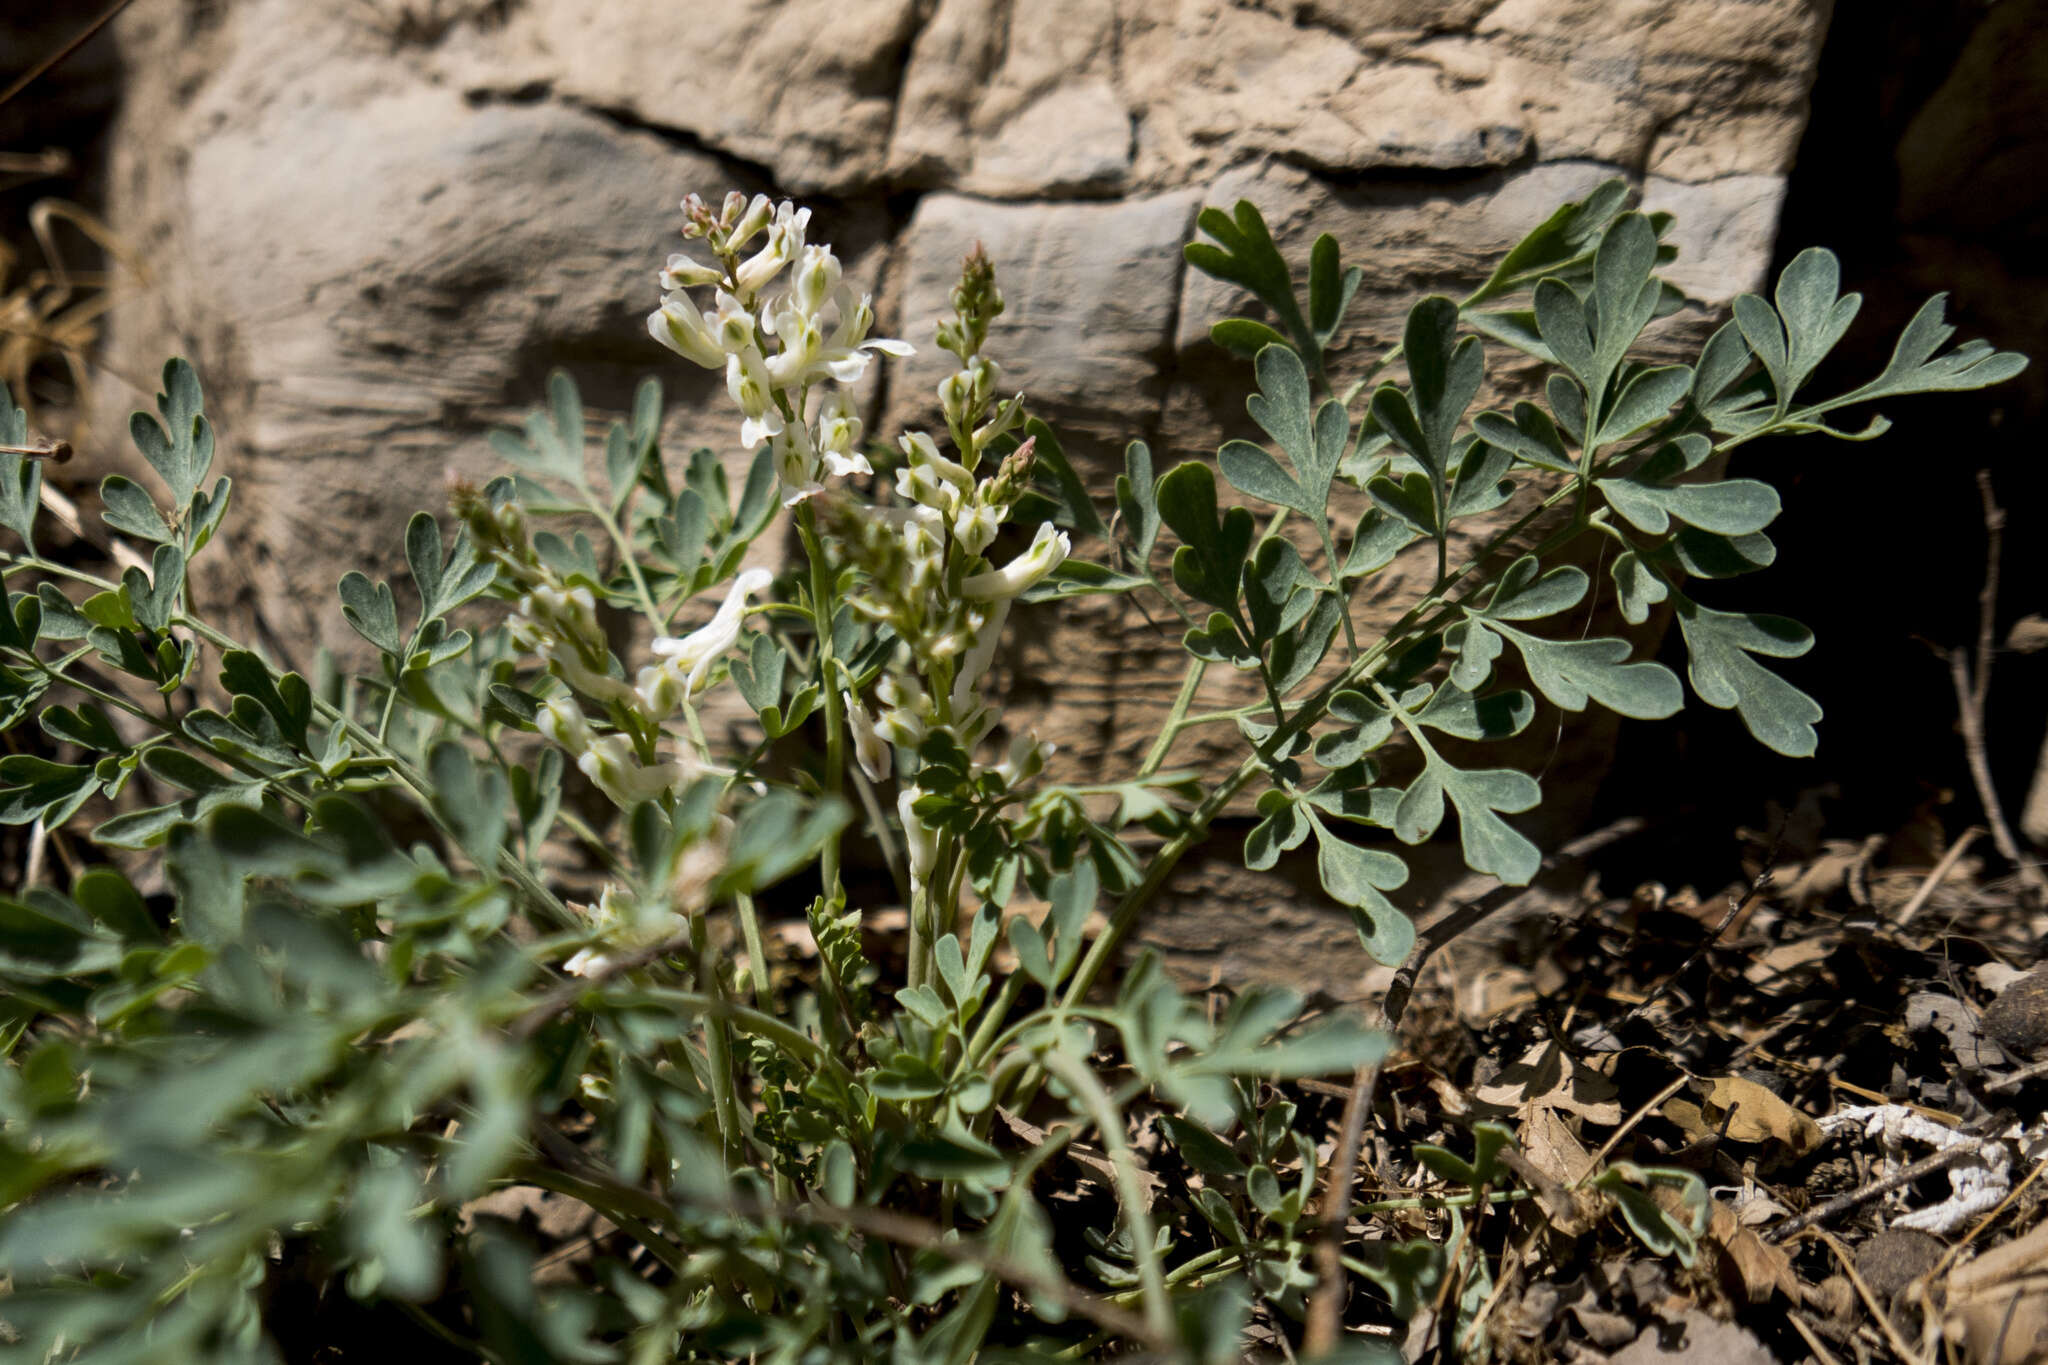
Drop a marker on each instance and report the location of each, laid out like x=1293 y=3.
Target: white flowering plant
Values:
x=553 y=908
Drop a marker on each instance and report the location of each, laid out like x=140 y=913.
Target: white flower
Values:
x=679 y=326
x=733 y=325
x=693 y=654
x=975 y=528
x=785 y=240
x=845 y=357
x=919 y=839
x=747 y=380
x=687 y=272
x=756 y=217
x=617 y=771
x=868 y=747
x=817 y=275
x=561 y=720
x=987 y=629
x=1026 y=759
x=1048 y=550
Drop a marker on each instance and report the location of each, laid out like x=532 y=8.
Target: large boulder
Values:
x=375 y=227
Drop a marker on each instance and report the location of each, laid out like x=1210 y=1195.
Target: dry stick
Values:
x=1970 y=699
x=1876 y=1189
x=78 y=40
x=1326 y=1309
x=2017 y=1079
x=1756 y=888
x=1940 y=873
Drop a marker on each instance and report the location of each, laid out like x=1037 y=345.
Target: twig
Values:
x=1628 y=1126
x=2017 y=1079
x=1852 y=1200
x=78 y=40
x=1756 y=889
x=1940 y=873
x=1326 y=1309
x=57 y=452
x=1970 y=698
x=569 y=992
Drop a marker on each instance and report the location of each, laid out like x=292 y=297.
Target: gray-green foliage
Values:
x=362 y=1002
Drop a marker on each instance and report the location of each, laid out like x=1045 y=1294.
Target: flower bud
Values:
x=817 y=275
x=561 y=720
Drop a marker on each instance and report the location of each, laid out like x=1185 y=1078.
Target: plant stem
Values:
x=717 y=1045
x=1109 y=1125
x=822 y=609
x=757 y=952
x=1190 y=683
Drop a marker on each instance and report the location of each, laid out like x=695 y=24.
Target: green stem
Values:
x=1190 y=683
x=757 y=953
x=822 y=609
x=717 y=1046
x=1109 y=1125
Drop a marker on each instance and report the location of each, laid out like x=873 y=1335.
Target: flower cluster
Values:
x=925 y=574
x=634 y=760
x=778 y=351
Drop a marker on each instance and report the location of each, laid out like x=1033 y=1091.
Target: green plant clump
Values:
x=363 y=1012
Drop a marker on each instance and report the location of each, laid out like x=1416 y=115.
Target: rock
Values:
x=376 y=227
x=1896 y=1257
x=2018 y=1018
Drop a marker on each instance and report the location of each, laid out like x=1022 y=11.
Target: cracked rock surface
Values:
x=376 y=226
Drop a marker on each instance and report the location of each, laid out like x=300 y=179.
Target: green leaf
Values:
x=1212 y=555
x=1277 y=592
x=1050 y=458
x=1356 y=878
x=1284 y=828
x=1649 y=496
x=1570 y=672
x=1080 y=578
x=181 y=449
x=1444 y=374
x=284 y=696
x=1480 y=796
x=155 y=595
x=1915 y=368
x=1378 y=539
x=1562 y=244
x=1455 y=711
x=1244 y=255
x=1330 y=288
x=473 y=798
x=1638 y=587
x=1645 y=400
x=1624 y=296
x=1243 y=337
x=371 y=611
x=1665 y=1231
x=1724 y=674
x=129 y=509
x=1815 y=319
x=1521 y=595
x=21 y=478
x=33 y=788
x=1136 y=500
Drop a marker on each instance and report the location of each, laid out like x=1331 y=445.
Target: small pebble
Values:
x=2018 y=1018
x=1895 y=1258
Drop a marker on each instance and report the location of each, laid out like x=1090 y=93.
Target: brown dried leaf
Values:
x=1743 y=1111
x=1546 y=1078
